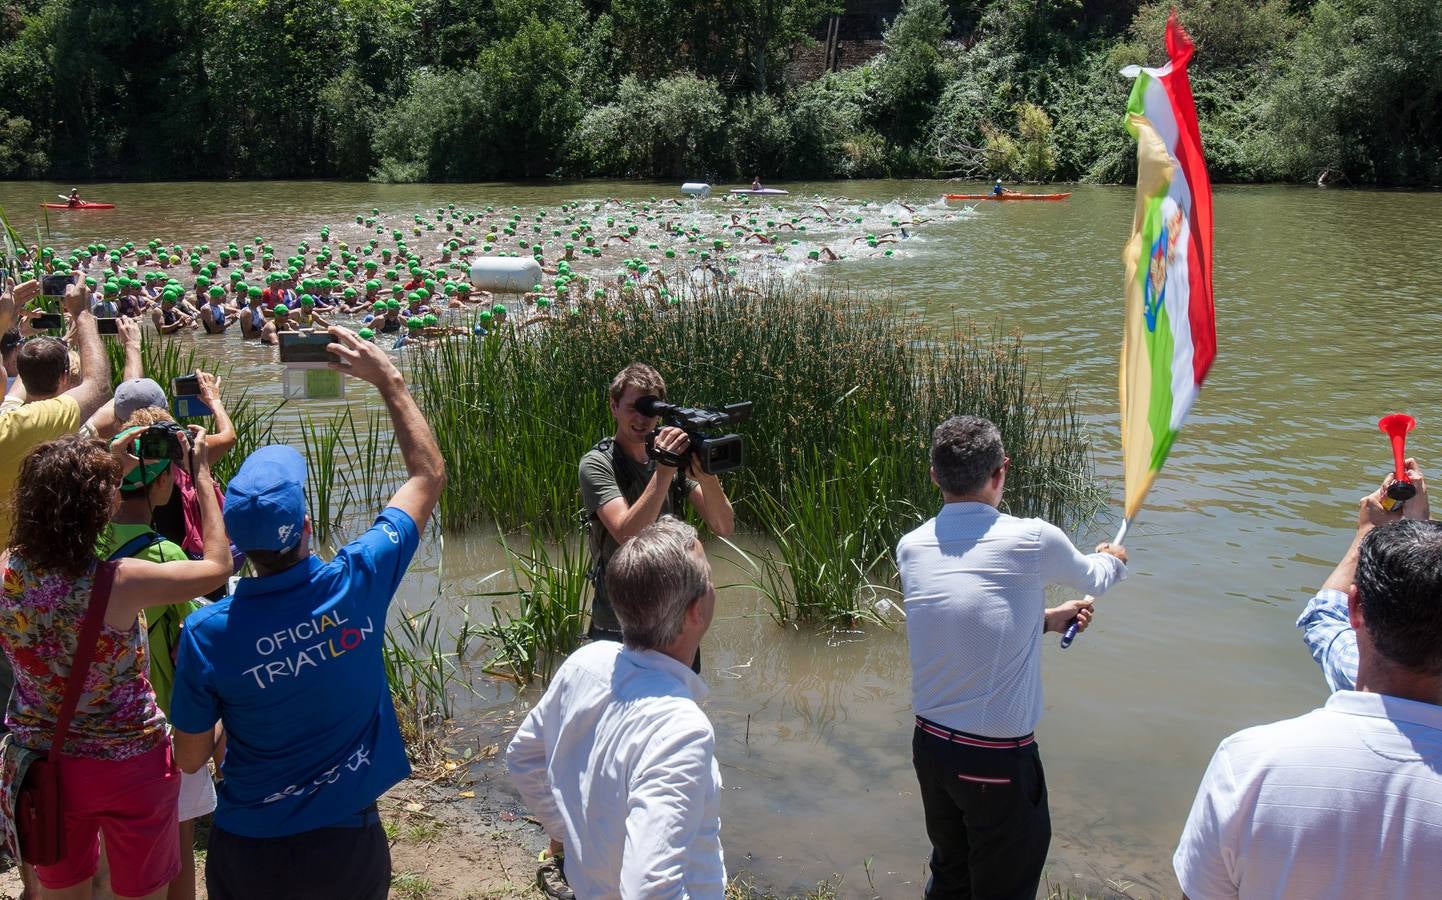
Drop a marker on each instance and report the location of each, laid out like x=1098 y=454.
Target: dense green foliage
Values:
x=409 y=90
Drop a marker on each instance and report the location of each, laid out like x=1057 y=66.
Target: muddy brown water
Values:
x=1329 y=308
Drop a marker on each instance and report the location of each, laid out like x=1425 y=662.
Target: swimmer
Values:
x=252 y=319
x=167 y=319
x=214 y=314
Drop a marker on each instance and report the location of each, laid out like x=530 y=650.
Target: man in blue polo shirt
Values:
x=289 y=669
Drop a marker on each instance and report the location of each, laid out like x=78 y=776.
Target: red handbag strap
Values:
x=84 y=653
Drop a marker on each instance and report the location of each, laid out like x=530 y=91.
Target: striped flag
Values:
x=1170 y=338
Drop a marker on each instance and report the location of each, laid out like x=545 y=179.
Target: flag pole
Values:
x=1071 y=629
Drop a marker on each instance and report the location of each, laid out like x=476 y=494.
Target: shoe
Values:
x=551 y=878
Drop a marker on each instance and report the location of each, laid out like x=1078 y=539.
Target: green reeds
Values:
x=423 y=675
x=551 y=593
x=847 y=390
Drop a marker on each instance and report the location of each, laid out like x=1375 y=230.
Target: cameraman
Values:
x=625 y=490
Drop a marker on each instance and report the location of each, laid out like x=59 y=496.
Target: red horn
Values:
x=1396 y=427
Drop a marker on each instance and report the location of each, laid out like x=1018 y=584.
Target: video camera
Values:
x=717 y=452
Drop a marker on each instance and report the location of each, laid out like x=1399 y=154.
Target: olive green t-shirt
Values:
x=599 y=486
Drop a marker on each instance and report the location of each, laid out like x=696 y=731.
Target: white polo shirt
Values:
x=618 y=763
x=974 y=581
x=1344 y=802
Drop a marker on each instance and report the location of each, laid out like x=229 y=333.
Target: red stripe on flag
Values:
x=1178 y=88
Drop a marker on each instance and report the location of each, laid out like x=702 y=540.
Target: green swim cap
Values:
x=366 y=334
x=282 y=310
x=253 y=292
x=217 y=291
x=484 y=315
x=499 y=309
x=429 y=319
x=236 y=276
x=392 y=304
x=379 y=306
x=415 y=322
x=307 y=300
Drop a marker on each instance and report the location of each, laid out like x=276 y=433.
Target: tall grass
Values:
x=423 y=675
x=550 y=594
x=846 y=389
x=326 y=492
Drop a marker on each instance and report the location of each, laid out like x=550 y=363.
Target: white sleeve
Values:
x=1206 y=854
x=1063 y=563
x=665 y=815
x=527 y=763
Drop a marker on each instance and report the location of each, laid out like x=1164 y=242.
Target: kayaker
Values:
x=997 y=190
x=74 y=200
x=756 y=183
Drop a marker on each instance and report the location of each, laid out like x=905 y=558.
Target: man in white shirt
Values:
x=974 y=583
x=1345 y=801
x=617 y=759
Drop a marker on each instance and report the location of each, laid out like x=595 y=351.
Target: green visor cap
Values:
x=143 y=475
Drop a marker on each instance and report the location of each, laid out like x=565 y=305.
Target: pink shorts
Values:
x=134 y=802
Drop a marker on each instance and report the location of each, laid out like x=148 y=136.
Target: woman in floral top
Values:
x=117 y=775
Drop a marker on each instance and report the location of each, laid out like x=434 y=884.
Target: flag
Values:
x=1170 y=339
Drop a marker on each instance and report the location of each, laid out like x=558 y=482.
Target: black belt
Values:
x=973 y=740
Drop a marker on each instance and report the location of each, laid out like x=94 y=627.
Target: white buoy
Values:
x=505 y=274
x=696 y=189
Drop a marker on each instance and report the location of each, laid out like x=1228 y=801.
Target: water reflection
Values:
x=1329 y=311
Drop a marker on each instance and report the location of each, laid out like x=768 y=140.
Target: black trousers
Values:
x=987 y=817
x=597 y=633
x=325 y=864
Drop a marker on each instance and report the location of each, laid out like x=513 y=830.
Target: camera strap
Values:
x=624 y=471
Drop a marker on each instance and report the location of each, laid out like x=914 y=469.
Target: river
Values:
x=1329 y=304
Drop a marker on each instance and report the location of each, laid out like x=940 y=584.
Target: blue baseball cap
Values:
x=265 y=501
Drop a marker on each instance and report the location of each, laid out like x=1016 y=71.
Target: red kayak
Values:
x=83 y=204
x=1007 y=196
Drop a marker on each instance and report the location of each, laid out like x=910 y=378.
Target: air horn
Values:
x=1401 y=489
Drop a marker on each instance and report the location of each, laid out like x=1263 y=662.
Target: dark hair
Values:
x=640 y=376
x=62 y=503
x=42 y=362
x=270 y=562
x=1399 y=585
x=965 y=450
x=11 y=340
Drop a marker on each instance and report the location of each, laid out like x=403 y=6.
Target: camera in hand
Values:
x=48 y=321
x=716 y=453
x=185 y=399
x=107 y=325
x=305 y=347
x=55 y=285
x=163 y=440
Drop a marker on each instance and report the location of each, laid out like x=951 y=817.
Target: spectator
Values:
x=617 y=757
x=23 y=429
x=118 y=775
x=1325 y=623
x=974 y=583
x=291 y=665
x=1345 y=801
x=144 y=490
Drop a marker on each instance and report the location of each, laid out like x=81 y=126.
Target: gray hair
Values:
x=965 y=450
x=652 y=580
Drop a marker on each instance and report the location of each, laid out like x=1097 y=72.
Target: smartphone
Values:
x=48 y=322
x=305 y=347
x=185 y=397
x=108 y=325
x=54 y=285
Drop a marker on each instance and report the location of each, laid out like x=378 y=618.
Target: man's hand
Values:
x=1059 y=617
x=197 y=454
x=1371 y=513
x=362 y=359
x=128 y=330
x=26 y=291
x=1417 y=507
x=77 y=299
x=1111 y=549
x=671 y=440
x=209 y=388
